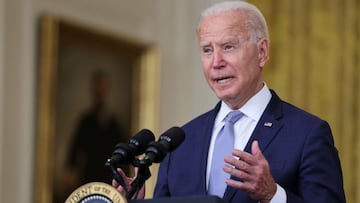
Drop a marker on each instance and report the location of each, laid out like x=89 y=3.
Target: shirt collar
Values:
x=253 y=108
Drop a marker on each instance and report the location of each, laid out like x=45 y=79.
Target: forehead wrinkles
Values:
x=219 y=34
x=224 y=25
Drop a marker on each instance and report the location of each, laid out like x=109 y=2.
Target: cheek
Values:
x=206 y=66
x=246 y=65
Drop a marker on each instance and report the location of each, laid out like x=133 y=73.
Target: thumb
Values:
x=256 y=151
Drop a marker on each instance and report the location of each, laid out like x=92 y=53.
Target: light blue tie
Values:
x=223 y=146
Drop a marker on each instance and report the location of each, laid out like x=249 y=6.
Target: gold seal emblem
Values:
x=96 y=192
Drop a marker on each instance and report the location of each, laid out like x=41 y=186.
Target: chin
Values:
x=223 y=96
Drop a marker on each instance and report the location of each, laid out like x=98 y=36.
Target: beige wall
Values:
x=315 y=65
x=2 y=10
x=17 y=101
x=311 y=79
x=169 y=25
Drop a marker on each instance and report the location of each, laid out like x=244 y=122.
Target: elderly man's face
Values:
x=231 y=62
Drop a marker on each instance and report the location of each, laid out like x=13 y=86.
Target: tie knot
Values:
x=233 y=116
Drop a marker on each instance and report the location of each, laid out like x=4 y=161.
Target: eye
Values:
x=207 y=50
x=228 y=47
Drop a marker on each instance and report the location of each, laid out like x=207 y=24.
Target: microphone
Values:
x=125 y=153
x=155 y=153
x=168 y=142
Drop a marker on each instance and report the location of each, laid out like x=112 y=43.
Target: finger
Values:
x=118 y=187
x=121 y=190
x=242 y=185
x=238 y=164
x=244 y=156
x=241 y=174
x=141 y=194
x=121 y=172
x=124 y=180
x=114 y=183
x=256 y=151
x=136 y=169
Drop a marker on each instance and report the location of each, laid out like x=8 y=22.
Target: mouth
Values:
x=223 y=80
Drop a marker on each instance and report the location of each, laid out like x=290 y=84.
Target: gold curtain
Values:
x=315 y=64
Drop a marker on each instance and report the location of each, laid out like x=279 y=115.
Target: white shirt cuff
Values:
x=280 y=195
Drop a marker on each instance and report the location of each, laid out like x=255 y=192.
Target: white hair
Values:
x=255 y=21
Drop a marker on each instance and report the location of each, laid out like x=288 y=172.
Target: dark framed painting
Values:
x=95 y=89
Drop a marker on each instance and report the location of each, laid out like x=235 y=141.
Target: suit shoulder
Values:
x=291 y=110
x=203 y=121
x=200 y=119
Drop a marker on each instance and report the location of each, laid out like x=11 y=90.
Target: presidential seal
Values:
x=96 y=192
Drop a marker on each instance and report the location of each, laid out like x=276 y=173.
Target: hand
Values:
x=253 y=171
x=128 y=182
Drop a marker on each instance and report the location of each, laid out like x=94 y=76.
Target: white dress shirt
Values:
x=243 y=129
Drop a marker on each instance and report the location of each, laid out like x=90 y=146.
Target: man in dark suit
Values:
x=280 y=152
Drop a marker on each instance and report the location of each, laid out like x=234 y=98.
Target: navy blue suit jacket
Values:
x=298 y=146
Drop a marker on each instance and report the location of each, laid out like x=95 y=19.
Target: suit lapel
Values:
x=267 y=128
x=206 y=133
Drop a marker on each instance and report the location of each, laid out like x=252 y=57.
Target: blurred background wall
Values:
x=314 y=64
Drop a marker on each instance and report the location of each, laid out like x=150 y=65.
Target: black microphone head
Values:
x=168 y=142
x=125 y=153
x=141 y=140
x=174 y=136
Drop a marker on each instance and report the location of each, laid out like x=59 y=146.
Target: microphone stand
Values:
x=142 y=175
x=116 y=174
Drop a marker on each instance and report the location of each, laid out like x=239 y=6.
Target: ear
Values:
x=263 y=48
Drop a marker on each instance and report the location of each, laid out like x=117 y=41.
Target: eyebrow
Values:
x=223 y=41
x=231 y=40
x=204 y=44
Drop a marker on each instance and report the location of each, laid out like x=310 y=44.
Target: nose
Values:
x=218 y=59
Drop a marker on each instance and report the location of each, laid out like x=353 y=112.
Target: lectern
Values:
x=190 y=199
x=97 y=192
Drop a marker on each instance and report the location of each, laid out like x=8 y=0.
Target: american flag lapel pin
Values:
x=268 y=124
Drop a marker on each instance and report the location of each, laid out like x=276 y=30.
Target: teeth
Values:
x=223 y=80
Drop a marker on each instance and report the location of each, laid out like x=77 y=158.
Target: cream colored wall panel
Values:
x=2 y=64
x=318 y=68
x=17 y=102
x=126 y=18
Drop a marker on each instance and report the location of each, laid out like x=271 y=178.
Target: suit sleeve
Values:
x=320 y=176
x=161 y=188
